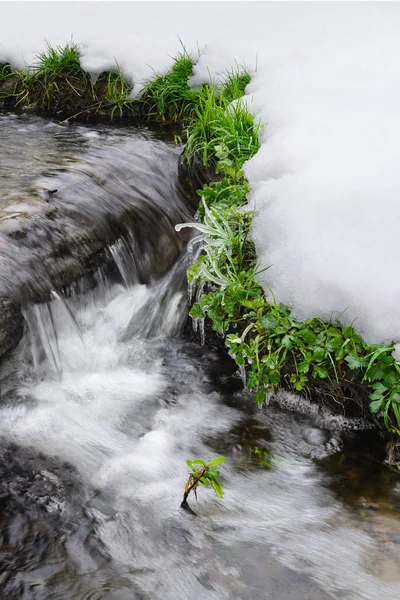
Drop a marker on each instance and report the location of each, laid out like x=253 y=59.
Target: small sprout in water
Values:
x=205 y=474
x=263 y=457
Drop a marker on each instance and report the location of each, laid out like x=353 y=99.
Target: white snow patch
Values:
x=325 y=182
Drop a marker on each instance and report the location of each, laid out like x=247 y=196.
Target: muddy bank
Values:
x=71 y=97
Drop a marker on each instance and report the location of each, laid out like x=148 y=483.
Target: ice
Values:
x=325 y=87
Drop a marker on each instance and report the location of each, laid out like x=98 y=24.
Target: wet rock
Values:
x=32 y=482
x=11 y=325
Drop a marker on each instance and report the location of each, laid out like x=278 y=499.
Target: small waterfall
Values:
x=46 y=323
x=123 y=255
x=43 y=340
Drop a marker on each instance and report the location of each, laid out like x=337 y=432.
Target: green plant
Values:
x=168 y=98
x=5 y=71
x=57 y=74
x=263 y=456
x=17 y=86
x=271 y=347
x=118 y=93
x=203 y=473
x=223 y=132
x=59 y=61
x=235 y=83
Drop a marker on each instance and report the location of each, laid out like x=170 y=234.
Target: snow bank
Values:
x=325 y=182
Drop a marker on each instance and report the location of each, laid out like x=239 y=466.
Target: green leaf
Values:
x=212 y=473
x=318 y=354
x=217 y=488
x=216 y=461
x=320 y=372
x=198 y=461
x=286 y=341
x=379 y=387
x=304 y=366
x=190 y=465
x=377 y=371
x=375 y=406
x=269 y=322
x=353 y=361
x=204 y=481
x=395 y=397
x=196 y=311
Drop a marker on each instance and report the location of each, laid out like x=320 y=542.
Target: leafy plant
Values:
x=206 y=474
x=270 y=346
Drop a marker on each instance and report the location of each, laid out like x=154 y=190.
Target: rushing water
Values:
x=104 y=400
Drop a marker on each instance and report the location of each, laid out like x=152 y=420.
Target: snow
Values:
x=326 y=87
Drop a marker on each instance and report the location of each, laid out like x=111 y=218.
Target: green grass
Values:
x=118 y=93
x=57 y=84
x=223 y=132
x=235 y=83
x=59 y=61
x=57 y=74
x=5 y=71
x=168 y=98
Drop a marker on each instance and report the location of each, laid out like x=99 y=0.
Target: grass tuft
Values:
x=57 y=81
x=118 y=93
x=61 y=61
x=223 y=132
x=168 y=98
x=235 y=84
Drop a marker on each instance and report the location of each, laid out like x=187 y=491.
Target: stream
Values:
x=107 y=394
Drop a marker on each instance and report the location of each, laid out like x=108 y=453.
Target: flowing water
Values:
x=105 y=398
